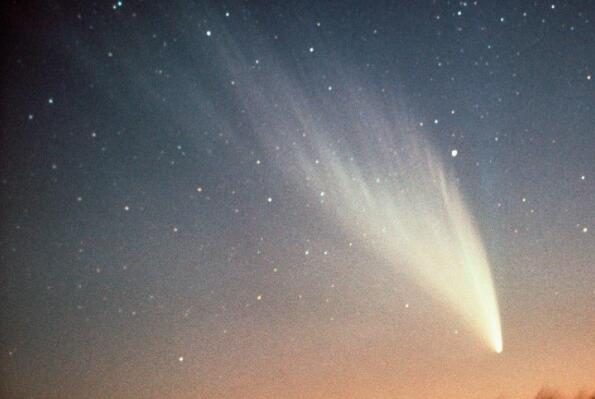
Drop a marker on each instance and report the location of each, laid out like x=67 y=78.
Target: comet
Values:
x=380 y=179
x=405 y=207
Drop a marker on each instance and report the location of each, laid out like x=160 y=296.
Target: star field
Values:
x=174 y=223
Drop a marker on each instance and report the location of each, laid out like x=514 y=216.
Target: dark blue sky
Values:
x=152 y=244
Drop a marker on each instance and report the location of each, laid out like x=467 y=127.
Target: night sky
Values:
x=195 y=199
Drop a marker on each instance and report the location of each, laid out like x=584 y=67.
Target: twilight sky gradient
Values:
x=174 y=224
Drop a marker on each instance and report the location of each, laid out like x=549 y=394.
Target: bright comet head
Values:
x=498 y=345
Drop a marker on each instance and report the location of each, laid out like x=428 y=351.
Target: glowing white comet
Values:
x=410 y=212
x=382 y=182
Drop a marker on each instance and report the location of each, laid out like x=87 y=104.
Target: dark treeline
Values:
x=547 y=393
